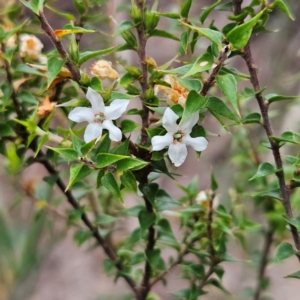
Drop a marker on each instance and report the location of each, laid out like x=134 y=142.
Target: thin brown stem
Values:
x=95 y=232
x=264 y=262
x=59 y=46
x=142 y=41
x=210 y=80
x=285 y=191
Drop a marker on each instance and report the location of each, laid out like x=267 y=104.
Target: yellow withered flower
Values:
x=103 y=70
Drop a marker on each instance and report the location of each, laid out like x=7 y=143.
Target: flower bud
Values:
x=135 y=13
x=84 y=78
x=134 y=71
x=129 y=38
x=73 y=50
x=151 y=21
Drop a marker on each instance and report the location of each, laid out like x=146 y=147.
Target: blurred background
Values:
x=38 y=256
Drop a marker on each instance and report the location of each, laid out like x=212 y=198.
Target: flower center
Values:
x=99 y=118
x=30 y=44
x=178 y=136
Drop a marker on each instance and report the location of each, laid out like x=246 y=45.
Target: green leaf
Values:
x=288 y=137
x=264 y=169
x=149 y=191
x=186 y=8
x=28 y=70
x=283 y=251
x=213 y=183
x=213 y=35
x=87 y=148
x=105 y=159
x=193 y=103
x=207 y=11
x=87 y=55
x=203 y=63
x=275 y=98
x=104 y=219
x=163 y=201
x=293 y=221
x=251 y=118
x=180 y=71
x=239 y=36
x=129 y=126
x=273 y=193
x=77 y=173
x=35 y=5
x=164 y=34
x=81 y=236
x=294 y=275
x=64 y=15
x=69 y=154
x=170 y=15
x=146 y=219
x=6 y=130
x=109 y=182
x=129 y=181
x=215 y=105
x=281 y=5
x=104 y=144
x=130 y=163
x=135 y=111
x=190 y=84
x=77 y=143
x=228 y=86
x=165 y=233
x=123 y=27
x=99 y=177
x=54 y=66
x=153 y=257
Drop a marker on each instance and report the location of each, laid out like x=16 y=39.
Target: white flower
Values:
x=99 y=117
x=178 y=137
x=30 y=46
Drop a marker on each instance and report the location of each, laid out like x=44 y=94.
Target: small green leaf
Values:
x=54 y=66
x=87 y=55
x=149 y=191
x=146 y=219
x=264 y=169
x=186 y=8
x=227 y=84
x=164 y=34
x=104 y=144
x=65 y=15
x=170 y=15
x=99 y=177
x=207 y=11
x=123 y=26
x=129 y=126
x=193 y=103
x=203 y=63
x=77 y=173
x=293 y=221
x=213 y=183
x=190 y=84
x=105 y=159
x=275 y=98
x=288 y=137
x=81 y=236
x=213 y=35
x=215 y=105
x=86 y=148
x=281 y=5
x=109 y=182
x=69 y=154
x=283 y=251
x=77 y=143
x=180 y=71
x=153 y=257
x=35 y=5
x=294 y=275
x=273 y=193
x=104 y=219
x=129 y=181
x=165 y=233
x=130 y=163
x=135 y=111
x=251 y=118
x=163 y=201
x=6 y=130
x=239 y=36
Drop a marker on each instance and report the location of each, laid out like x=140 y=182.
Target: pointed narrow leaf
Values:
x=186 y=8
x=69 y=154
x=283 y=251
x=207 y=11
x=129 y=181
x=164 y=34
x=105 y=159
x=109 y=182
x=251 y=118
x=275 y=98
x=288 y=137
x=239 y=36
x=273 y=193
x=130 y=163
x=77 y=173
x=203 y=63
x=146 y=219
x=216 y=105
x=193 y=103
x=54 y=65
x=264 y=169
x=190 y=84
x=227 y=84
x=281 y=5
x=35 y=5
x=294 y=275
x=85 y=56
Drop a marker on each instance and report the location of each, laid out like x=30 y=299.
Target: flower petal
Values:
x=169 y=120
x=115 y=134
x=187 y=126
x=160 y=142
x=198 y=143
x=177 y=153
x=115 y=109
x=81 y=114
x=92 y=131
x=96 y=100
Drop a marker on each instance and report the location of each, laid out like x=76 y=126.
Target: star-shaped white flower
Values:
x=178 y=137
x=99 y=117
